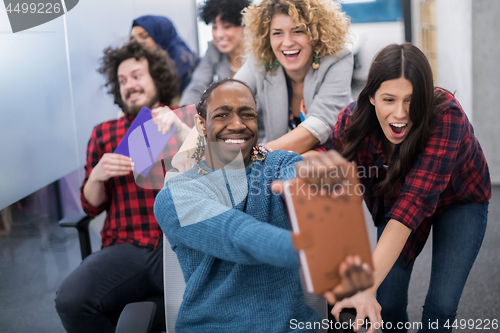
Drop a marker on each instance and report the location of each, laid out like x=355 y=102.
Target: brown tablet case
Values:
x=327 y=229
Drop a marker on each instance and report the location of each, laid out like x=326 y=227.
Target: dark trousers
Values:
x=457 y=236
x=92 y=297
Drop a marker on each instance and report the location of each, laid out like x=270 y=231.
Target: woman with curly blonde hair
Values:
x=298 y=69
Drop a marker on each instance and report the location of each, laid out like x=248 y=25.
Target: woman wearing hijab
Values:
x=158 y=31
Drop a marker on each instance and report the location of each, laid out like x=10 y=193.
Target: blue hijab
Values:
x=163 y=32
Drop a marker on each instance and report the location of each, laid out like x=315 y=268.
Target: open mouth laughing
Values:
x=223 y=43
x=291 y=55
x=398 y=130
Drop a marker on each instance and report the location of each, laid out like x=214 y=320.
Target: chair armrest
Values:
x=81 y=223
x=76 y=221
x=136 y=318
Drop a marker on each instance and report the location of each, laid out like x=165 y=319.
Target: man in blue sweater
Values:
x=231 y=232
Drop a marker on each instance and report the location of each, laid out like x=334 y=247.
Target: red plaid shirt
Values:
x=451 y=170
x=129 y=207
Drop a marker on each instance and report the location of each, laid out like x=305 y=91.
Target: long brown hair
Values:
x=393 y=62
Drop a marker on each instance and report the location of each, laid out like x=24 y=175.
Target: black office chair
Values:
x=141 y=317
x=81 y=223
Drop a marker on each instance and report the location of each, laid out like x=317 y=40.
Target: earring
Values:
x=198 y=154
x=272 y=66
x=315 y=64
x=259 y=150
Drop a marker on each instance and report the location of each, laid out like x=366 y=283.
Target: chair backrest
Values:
x=317 y=303
x=173 y=282
x=174 y=285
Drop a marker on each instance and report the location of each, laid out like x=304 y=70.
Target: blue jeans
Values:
x=92 y=297
x=457 y=236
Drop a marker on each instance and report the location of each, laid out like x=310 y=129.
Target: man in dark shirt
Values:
x=128 y=268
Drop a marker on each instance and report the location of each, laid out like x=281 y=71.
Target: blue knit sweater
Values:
x=232 y=239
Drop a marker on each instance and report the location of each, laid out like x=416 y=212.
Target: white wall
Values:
x=415 y=22
x=453 y=46
x=454 y=49
x=486 y=80
x=468 y=53
x=51 y=94
x=369 y=38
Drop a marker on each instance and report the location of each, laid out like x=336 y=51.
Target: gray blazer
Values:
x=213 y=66
x=327 y=91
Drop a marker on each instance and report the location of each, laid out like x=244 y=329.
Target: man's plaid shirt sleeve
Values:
x=94 y=154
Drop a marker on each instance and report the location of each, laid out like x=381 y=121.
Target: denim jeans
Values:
x=92 y=297
x=457 y=236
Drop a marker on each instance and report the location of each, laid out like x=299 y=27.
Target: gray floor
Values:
x=34 y=258
x=481 y=296
x=37 y=255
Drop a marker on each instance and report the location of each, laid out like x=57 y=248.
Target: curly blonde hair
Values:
x=325 y=24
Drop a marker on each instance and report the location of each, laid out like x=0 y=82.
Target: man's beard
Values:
x=134 y=109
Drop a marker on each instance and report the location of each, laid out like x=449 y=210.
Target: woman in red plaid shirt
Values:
x=426 y=169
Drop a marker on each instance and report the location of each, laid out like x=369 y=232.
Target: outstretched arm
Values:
x=299 y=140
x=385 y=255
x=189 y=217
x=164 y=118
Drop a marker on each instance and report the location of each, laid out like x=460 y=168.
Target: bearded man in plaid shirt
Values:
x=129 y=267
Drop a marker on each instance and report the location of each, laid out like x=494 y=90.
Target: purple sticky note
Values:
x=143 y=142
x=143 y=116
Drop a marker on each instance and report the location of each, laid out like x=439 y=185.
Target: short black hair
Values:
x=229 y=10
x=161 y=68
x=201 y=108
